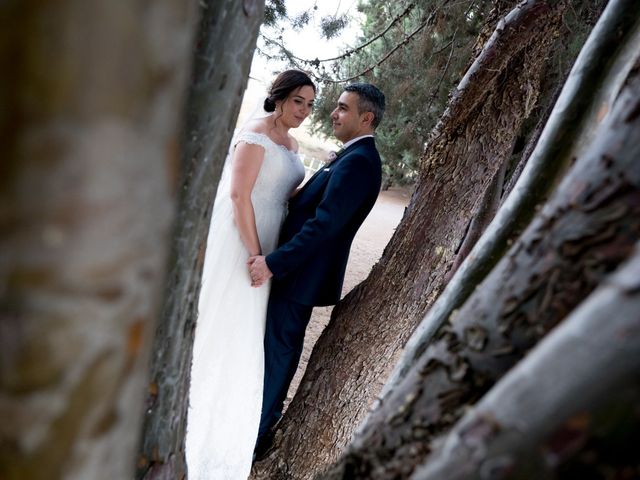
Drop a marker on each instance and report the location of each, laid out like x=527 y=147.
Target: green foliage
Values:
x=274 y=11
x=332 y=26
x=416 y=52
x=301 y=20
x=277 y=16
x=433 y=44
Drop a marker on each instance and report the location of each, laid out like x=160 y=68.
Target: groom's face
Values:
x=347 y=121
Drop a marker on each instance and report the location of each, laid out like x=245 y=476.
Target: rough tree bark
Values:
x=88 y=93
x=563 y=400
x=371 y=324
x=591 y=89
x=485 y=211
x=223 y=52
x=589 y=226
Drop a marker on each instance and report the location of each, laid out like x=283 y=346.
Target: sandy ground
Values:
x=367 y=248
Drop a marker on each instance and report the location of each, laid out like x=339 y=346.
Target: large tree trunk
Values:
x=88 y=95
x=369 y=327
x=223 y=53
x=486 y=210
x=592 y=87
x=575 y=392
x=585 y=231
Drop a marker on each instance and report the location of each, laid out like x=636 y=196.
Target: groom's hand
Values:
x=259 y=270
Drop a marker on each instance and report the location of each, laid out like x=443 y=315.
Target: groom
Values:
x=309 y=265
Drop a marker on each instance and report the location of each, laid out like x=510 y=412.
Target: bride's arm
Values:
x=245 y=168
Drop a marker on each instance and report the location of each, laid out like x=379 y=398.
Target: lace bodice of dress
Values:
x=280 y=173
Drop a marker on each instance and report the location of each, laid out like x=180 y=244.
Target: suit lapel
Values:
x=340 y=155
x=313 y=177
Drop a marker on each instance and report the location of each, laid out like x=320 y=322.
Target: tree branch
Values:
x=347 y=53
x=599 y=70
x=583 y=364
x=371 y=324
x=486 y=211
x=218 y=79
x=587 y=229
x=300 y=63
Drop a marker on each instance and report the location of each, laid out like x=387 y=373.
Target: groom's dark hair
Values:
x=370 y=99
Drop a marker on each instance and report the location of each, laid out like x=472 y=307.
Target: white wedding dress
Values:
x=228 y=364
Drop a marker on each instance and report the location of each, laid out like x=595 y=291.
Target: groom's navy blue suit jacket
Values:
x=309 y=264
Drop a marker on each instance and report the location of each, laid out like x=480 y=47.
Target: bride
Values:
x=227 y=371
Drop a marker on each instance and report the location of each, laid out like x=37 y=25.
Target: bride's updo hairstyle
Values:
x=283 y=85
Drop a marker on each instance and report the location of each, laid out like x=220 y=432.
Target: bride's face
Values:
x=297 y=106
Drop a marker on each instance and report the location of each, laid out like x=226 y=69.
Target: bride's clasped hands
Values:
x=258 y=270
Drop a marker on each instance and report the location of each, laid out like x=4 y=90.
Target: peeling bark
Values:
x=584 y=232
x=591 y=89
x=87 y=196
x=223 y=52
x=550 y=416
x=369 y=327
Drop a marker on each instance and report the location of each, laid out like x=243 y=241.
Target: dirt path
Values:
x=367 y=248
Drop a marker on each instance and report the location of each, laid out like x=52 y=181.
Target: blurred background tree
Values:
x=415 y=52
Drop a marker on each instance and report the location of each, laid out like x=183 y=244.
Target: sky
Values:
x=307 y=42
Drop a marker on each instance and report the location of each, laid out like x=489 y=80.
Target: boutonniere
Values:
x=332 y=157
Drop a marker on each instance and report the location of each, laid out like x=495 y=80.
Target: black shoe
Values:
x=263 y=447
